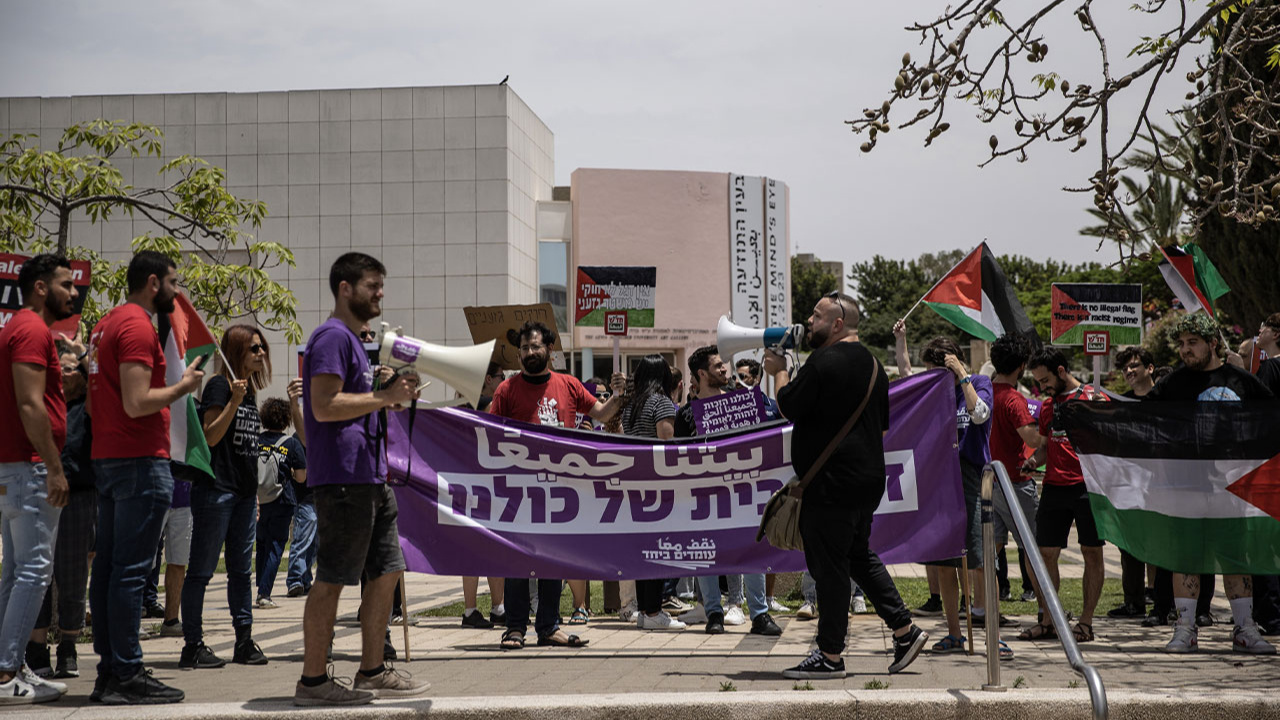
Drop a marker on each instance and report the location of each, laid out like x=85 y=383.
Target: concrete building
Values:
x=831 y=267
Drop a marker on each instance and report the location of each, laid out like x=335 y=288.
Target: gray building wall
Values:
x=440 y=183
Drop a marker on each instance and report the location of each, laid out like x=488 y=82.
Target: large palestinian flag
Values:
x=976 y=297
x=184 y=336
x=1189 y=486
x=1192 y=277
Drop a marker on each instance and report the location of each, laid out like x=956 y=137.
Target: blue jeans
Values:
x=133 y=496
x=302 y=552
x=273 y=533
x=29 y=525
x=516 y=591
x=753 y=584
x=218 y=517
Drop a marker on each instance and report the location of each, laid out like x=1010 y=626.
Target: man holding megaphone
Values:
x=356 y=512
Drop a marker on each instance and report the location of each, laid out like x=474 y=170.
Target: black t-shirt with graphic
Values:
x=235 y=457
x=1224 y=383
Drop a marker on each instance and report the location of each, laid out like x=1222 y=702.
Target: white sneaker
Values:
x=734 y=616
x=1185 y=639
x=661 y=621
x=859 y=605
x=36 y=681
x=628 y=612
x=697 y=615
x=1249 y=640
x=777 y=607
x=20 y=692
x=266 y=603
x=807 y=612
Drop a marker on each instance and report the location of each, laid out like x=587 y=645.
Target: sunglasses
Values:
x=366 y=335
x=257 y=348
x=834 y=296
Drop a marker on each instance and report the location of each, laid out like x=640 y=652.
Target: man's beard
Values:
x=1194 y=363
x=59 y=310
x=364 y=309
x=165 y=303
x=817 y=338
x=534 y=364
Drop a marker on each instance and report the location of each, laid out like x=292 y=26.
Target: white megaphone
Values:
x=732 y=339
x=463 y=368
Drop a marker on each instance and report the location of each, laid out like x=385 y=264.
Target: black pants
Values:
x=836 y=549
x=649 y=595
x=1164 y=593
x=1132 y=580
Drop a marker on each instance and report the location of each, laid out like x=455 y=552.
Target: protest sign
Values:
x=729 y=411
x=490 y=496
x=497 y=322
x=1080 y=307
x=602 y=289
x=11 y=297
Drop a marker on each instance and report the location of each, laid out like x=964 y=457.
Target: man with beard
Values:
x=33 y=487
x=835 y=518
x=130 y=403
x=1204 y=377
x=356 y=532
x=537 y=395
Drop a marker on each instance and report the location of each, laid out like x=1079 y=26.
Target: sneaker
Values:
x=859 y=605
x=396 y=620
x=907 y=648
x=1249 y=640
x=816 y=667
x=266 y=603
x=687 y=596
x=1126 y=612
x=1005 y=594
x=807 y=612
x=499 y=619
x=1185 y=639
x=38 y=682
x=67 y=664
x=1155 y=619
x=715 y=624
x=697 y=615
x=931 y=608
x=1205 y=620
x=296 y=591
x=735 y=616
x=330 y=692
x=476 y=620
x=661 y=621
x=391 y=683
x=99 y=687
x=37 y=657
x=20 y=692
x=628 y=612
x=777 y=607
x=1028 y=596
x=141 y=689
x=674 y=604
x=199 y=657
x=247 y=652
x=762 y=624
x=154 y=610
x=171 y=628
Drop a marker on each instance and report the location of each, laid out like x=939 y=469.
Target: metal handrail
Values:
x=1097 y=693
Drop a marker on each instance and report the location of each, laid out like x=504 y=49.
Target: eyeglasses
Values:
x=834 y=296
x=745 y=377
x=256 y=348
x=366 y=335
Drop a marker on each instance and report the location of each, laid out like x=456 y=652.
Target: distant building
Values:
x=833 y=267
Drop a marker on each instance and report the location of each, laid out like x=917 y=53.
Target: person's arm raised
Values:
x=140 y=399
x=330 y=404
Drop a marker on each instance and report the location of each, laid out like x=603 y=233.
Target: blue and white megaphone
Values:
x=732 y=339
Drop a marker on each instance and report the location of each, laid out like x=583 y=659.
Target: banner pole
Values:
x=617 y=354
x=404 y=617
x=964 y=598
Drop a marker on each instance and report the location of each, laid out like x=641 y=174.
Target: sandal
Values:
x=559 y=639
x=949 y=644
x=1006 y=652
x=1039 y=631
x=512 y=640
x=580 y=617
x=1082 y=632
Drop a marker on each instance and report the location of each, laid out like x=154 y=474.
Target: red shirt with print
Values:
x=125 y=335
x=1009 y=412
x=26 y=339
x=555 y=402
x=1062 y=465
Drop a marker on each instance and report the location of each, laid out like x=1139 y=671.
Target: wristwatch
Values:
x=964 y=380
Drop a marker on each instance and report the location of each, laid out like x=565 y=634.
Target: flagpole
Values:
x=226 y=364
x=939 y=282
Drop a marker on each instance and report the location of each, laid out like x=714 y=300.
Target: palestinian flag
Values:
x=184 y=336
x=976 y=298
x=1193 y=279
x=1189 y=486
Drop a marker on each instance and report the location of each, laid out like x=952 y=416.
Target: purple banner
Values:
x=729 y=411
x=495 y=497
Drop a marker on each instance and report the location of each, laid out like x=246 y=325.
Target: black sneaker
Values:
x=1155 y=619
x=499 y=619
x=906 y=648
x=67 y=665
x=816 y=667
x=296 y=591
x=931 y=608
x=1028 y=596
x=37 y=657
x=475 y=620
x=1126 y=611
x=199 y=657
x=141 y=689
x=247 y=652
x=715 y=624
x=762 y=624
x=99 y=686
x=154 y=610
x=1205 y=620
x=1005 y=594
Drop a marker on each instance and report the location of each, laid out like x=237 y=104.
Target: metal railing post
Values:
x=990 y=585
x=1097 y=693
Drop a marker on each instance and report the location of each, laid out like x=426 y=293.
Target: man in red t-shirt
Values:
x=129 y=404
x=1064 y=499
x=542 y=397
x=33 y=488
x=1014 y=436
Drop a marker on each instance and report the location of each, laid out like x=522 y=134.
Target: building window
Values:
x=553 y=285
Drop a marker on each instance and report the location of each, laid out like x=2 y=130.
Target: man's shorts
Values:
x=1060 y=505
x=177 y=536
x=1002 y=522
x=356 y=533
x=971 y=481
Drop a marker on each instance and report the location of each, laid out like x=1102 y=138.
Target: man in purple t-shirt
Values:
x=356 y=512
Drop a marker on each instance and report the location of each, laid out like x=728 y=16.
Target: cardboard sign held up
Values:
x=494 y=322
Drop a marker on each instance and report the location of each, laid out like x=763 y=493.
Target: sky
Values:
x=760 y=88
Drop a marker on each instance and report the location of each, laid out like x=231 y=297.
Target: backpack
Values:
x=269 y=487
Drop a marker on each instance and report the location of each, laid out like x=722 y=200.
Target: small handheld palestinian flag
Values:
x=1194 y=280
x=976 y=297
x=1189 y=486
x=184 y=337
